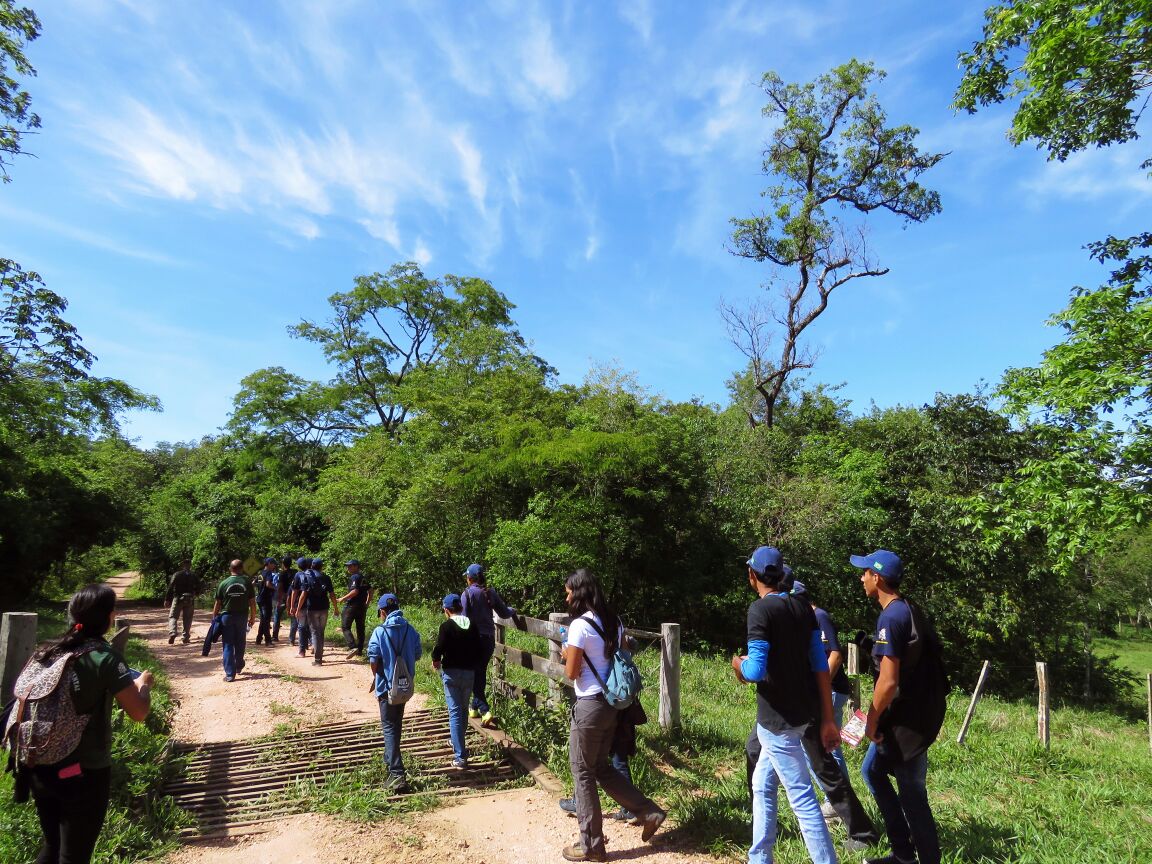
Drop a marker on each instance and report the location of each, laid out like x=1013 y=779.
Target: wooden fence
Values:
x=552 y=669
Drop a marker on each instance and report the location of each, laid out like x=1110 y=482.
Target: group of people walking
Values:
x=794 y=659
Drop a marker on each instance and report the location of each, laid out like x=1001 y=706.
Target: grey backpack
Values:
x=44 y=727
x=402 y=686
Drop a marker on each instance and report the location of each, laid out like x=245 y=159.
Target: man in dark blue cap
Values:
x=296 y=606
x=318 y=597
x=265 y=585
x=393 y=637
x=355 y=609
x=479 y=602
x=787 y=663
x=907 y=711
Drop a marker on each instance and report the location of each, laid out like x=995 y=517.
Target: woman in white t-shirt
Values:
x=594 y=720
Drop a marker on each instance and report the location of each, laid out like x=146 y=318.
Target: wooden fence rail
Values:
x=550 y=667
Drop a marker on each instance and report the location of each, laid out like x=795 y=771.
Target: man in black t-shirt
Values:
x=907 y=709
x=355 y=608
x=786 y=662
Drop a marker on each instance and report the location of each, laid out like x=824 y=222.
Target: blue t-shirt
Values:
x=316 y=586
x=830 y=643
x=267 y=590
x=893 y=632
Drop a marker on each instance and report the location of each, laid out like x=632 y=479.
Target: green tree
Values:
x=834 y=155
x=1078 y=68
x=18 y=27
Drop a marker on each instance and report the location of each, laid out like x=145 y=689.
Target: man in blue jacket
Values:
x=394 y=636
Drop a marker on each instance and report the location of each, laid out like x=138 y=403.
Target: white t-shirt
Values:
x=581 y=635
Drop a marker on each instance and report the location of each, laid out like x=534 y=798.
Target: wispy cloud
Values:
x=88 y=237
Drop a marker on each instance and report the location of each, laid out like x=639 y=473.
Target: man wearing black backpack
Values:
x=317 y=598
x=234 y=596
x=907 y=711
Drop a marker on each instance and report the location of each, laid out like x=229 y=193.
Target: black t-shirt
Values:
x=912 y=722
x=317 y=587
x=787 y=697
x=456 y=647
x=360 y=583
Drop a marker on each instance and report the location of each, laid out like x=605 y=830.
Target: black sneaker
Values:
x=889 y=859
x=171 y=638
x=568 y=805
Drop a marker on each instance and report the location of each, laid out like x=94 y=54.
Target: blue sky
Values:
x=209 y=173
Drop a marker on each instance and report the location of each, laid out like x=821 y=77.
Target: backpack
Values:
x=315 y=588
x=914 y=719
x=402 y=686
x=622 y=684
x=43 y=726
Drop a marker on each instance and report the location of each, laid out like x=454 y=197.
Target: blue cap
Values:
x=317 y=562
x=788 y=579
x=798 y=588
x=885 y=564
x=767 y=561
x=474 y=571
x=452 y=601
x=303 y=562
x=269 y=560
x=388 y=601
x=352 y=563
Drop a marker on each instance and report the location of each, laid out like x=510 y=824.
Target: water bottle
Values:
x=563 y=636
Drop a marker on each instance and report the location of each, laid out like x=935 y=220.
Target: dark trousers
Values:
x=907 y=815
x=589 y=741
x=264 y=631
x=487 y=645
x=353 y=613
x=392 y=722
x=277 y=614
x=71 y=813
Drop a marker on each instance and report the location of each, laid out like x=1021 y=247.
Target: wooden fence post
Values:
x=555 y=690
x=853 y=670
x=670 y=677
x=500 y=632
x=1042 y=708
x=972 y=705
x=17 y=642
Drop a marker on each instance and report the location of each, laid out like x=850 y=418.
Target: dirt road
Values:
x=522 y=826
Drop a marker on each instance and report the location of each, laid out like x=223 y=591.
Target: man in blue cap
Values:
x=296 y=606
x=265 y=585
x=453 y=657
x=355 y=609
x=318 y=597
x=786 y=661
x=393 y=637
x=479 y=602
x=907 y=711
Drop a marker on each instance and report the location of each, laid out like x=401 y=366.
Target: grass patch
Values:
x=358 y=794
x=141 y=823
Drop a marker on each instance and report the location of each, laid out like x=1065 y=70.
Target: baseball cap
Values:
x=352 y=563
x=388 y=601
x=474 y=571
x=452 y=601
x=270 y=561
x=798 y=588
x=883 y=563
x=317 y=562
x=303 y=562
x=767 y=560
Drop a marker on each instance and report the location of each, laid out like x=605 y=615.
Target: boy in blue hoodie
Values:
x=391 y=637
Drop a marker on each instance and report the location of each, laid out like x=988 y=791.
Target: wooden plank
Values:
x=550 y=629
x=530 y=661
x=972 y=705
x=17 y=642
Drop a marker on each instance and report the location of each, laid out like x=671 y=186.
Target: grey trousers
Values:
x=590 y=739
x=181 y=608
x=317 y=621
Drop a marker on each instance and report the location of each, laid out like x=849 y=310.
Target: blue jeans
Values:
x=233 y=630
x=487 y=645
x=457 y=689
x=907 y=815
x=392 y=722
x=303 y=631
x=782 y=761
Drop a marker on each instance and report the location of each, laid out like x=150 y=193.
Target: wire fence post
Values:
x=17 y=642
x=1042 y=716
x=670 y=677
x=972 y=705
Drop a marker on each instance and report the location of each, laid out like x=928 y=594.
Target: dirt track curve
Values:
x=522 y=826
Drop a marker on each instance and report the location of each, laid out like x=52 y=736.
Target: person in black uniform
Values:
x=355 y=609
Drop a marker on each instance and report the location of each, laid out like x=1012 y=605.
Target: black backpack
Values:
x=315 y=587
x=916 y=716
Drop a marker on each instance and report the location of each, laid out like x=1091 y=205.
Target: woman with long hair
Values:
x=593 y=638
x=72 y=795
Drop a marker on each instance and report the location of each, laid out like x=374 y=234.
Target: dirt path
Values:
x=522 y=826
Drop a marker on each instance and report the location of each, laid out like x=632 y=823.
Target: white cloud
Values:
x=1093 y=175
x=638 y=14
x=421 y=253
x=544 y=68
x=471 y=168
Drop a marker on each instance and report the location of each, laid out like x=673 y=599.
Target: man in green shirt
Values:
x=234 y=597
